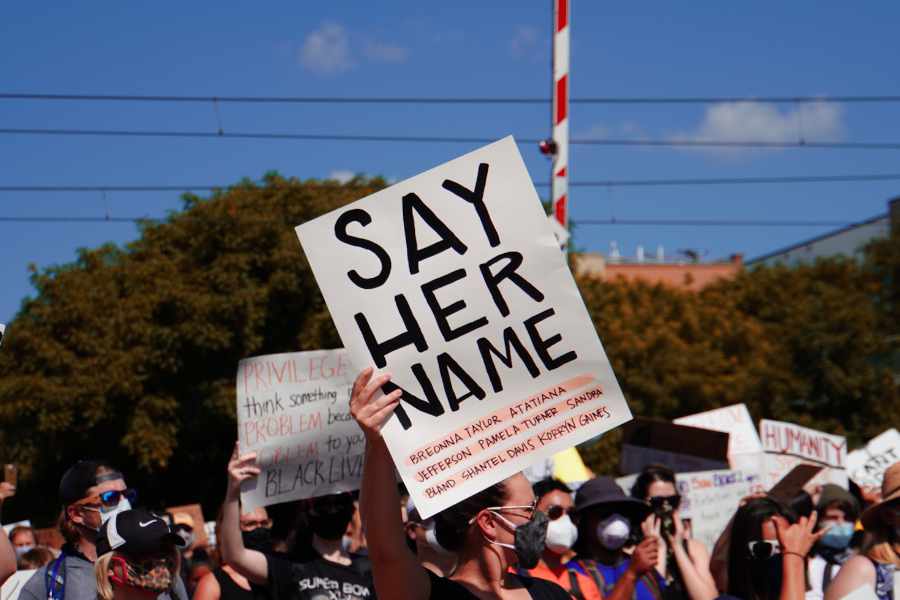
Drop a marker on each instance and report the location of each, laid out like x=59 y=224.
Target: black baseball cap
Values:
x=136 y=532
x=82 y=476
x=604 y=493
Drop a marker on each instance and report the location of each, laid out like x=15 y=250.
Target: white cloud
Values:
x=327 y=50
x=759 y=121
x=385 y=52
x=341 y=175
x=524 y=41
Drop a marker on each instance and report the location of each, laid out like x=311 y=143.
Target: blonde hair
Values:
x=101 y=571
x=105 y=586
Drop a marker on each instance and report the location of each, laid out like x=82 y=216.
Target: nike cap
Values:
x=137 y=532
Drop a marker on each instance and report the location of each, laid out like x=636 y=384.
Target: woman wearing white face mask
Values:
x=422 y=539
x=606 y=517
x=555 y=500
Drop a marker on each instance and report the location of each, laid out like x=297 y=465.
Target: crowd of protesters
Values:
x=514 y=540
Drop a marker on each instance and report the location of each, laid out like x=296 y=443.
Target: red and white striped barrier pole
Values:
x=560 y=117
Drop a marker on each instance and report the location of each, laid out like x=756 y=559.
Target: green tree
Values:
x=131 y=353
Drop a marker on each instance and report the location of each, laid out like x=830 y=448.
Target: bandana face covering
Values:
x=153 y=574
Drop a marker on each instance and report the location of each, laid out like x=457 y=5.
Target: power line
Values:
x=589 y=222
x=596 y=183
x=712 y=223
x=447 y=139
x=846 y=99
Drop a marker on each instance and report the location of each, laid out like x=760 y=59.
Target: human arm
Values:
x=395 y=569
x=7 y=554
x=208 y=588
x=693 y=563
x=796 y=541
x=857 y=572
x=643 y=560
x=250 y=563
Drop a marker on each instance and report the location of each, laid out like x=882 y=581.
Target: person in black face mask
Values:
x=491 y=531
x=224 y=582
x=330 y=571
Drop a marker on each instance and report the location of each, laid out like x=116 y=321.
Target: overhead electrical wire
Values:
x=595 y=183
x=445 y=139
x=844 y=99
x=609 y=221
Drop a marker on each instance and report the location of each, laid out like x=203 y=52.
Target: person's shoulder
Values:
x=861 y=565
x=542 y=589
x=37 y=584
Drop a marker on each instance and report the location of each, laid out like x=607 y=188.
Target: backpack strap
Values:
x=591 y=567
x=574 y=586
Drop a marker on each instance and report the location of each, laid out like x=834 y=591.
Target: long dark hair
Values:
x=648 y=476
x=451 y=525
x=748 y=578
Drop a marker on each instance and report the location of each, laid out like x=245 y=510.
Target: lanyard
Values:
x=56 y=581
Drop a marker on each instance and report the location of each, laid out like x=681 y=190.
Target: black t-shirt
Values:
x=540 y=589
x=320 y=579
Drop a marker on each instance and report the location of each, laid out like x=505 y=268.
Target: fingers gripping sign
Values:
x=369 y=406
x=241 y=468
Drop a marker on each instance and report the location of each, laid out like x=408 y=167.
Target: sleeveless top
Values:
x=229 y=590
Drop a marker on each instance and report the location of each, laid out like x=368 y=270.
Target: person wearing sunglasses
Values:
x=138 y=557
x=493 y=532
x=767 y=553
x=91 y=492
x=554 y=498
x=684 y=561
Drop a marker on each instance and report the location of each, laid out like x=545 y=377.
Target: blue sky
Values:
x=451 y=49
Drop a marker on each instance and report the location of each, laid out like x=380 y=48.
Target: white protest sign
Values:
x=708 y=498
x=294 y=411
x=866 y=466
x=787 y=445
x=453 y=282
x=2 y=332
x=744 y=446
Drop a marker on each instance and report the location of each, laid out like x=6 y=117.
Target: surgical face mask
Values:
x=838 y=536
x=613 y=531
x=529 y=538
x=107 y=513
x=432 y=541
x=22 y=550
x=561 y=534
x=187 y=535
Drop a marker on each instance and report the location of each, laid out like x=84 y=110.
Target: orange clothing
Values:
x=561 y=577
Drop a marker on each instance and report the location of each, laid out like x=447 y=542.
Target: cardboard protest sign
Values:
x=866 y=466
x=787 y=445
x=745 y=451
x=794 y=482
x=708 y=499
x=680 y=447
x=294 y=412
x=453 y=282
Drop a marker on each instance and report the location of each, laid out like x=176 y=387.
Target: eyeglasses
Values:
x=665 y=502
x=111 y=498
x=555 y=511
x=763 y=549
x=526 y=507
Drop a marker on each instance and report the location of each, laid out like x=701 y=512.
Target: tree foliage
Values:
x=130 y=353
